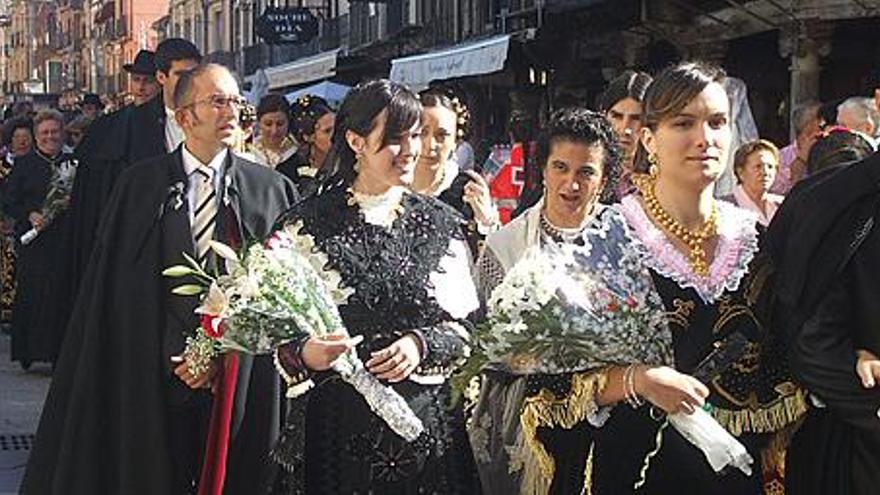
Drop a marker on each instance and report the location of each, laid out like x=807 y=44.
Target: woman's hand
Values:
x=670 y=390
x=476 y=194
x=193 y=380
x=397 y=361
x=319 y=353
x=868 y=368
x=37 y=220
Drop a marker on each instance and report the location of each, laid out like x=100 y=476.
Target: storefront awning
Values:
x=301 y=71
x=468 y=59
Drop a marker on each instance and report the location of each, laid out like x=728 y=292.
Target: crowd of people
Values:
x=96 y=204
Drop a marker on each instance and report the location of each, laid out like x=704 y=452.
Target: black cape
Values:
x=103 y=428
x=826 y=248
x=112 y=143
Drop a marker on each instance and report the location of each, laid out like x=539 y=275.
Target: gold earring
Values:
x=654 y=166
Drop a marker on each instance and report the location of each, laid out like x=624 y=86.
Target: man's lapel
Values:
x=177 y=234
x=230 y=227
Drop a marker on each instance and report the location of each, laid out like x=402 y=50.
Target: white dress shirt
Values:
x=173 y=133
x=190 y=165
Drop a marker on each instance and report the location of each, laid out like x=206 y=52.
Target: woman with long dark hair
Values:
x=405 y=259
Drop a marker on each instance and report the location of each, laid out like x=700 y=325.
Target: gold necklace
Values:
x=695 y=240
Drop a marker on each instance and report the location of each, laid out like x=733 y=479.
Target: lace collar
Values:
x=737 y=245
x=380 y=209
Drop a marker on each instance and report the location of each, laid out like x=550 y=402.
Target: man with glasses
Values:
x=125 y=413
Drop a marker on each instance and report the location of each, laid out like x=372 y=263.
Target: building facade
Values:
x=77 y=45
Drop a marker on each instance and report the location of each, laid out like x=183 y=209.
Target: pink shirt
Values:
x=772 y=202
x=782 y=184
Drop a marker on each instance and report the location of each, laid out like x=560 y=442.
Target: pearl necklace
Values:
x=695 y=240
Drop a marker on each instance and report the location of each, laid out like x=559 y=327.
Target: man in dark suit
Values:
x=112 y=143
x=125 y=414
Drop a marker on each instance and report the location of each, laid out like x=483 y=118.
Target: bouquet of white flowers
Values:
x=57 y=199
x=569 y=308
x=274 y=294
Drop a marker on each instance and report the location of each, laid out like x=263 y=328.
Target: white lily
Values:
x=215 y=302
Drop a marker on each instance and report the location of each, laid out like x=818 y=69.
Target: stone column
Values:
x=805 y=45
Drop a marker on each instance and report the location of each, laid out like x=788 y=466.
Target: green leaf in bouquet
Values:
x=177 y=271
x=188 y=290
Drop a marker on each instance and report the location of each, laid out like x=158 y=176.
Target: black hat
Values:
x=93 y=99
x=144 y=63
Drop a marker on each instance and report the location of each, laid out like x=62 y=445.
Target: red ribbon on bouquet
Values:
x=217 y=446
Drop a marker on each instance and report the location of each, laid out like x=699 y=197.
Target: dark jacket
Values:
x=104 y=428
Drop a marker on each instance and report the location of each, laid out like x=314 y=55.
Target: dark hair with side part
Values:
x=360 y=113
x=836 y=146
x=437 y=98
x=629 y=84
x=271 y=103
x=185 y=84
x=670 y=92
x=746 y=150
x=579 y=125
x=15 y=124
x=305 y=113
x=174 y=49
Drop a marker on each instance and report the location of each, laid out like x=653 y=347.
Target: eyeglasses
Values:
x=219 y=101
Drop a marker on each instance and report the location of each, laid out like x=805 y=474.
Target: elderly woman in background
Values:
x=755 y=165
x=274 y=144
x=580 y=161
x=36 y=333
x=18 y=137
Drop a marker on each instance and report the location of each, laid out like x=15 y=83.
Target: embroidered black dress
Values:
x=299 y=170
x=751 y=399
x=7 y=250
x=36 y=332
x=409 y=275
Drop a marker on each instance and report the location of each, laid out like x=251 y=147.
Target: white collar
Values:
x=169 y=112
x=191 y=163
x=380 y=209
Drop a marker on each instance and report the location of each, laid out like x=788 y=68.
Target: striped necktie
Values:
x=205 y=217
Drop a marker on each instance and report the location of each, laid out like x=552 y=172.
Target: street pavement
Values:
x=21 y=400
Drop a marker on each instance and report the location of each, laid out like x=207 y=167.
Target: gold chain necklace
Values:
x=695 y=240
